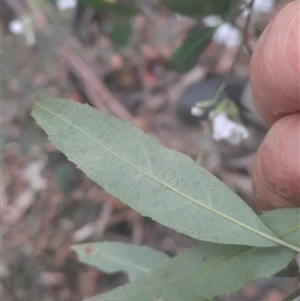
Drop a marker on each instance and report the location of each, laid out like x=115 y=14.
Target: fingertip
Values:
x=276 y=168
x=275 y=67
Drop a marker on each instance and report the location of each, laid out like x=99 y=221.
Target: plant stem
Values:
x=218 y=95
x=293 y=296
x=199 y=159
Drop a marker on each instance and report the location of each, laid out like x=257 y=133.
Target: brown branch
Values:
x=100 y=97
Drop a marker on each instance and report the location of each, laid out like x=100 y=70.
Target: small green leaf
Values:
x=160 y=183
x=207 y=269
x=123 y=9
x=285 y=223
x=120 y=33
x=111 y=257
x=199 y=8
x=187 y=55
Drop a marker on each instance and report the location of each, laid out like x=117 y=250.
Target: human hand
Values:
x=275 y=80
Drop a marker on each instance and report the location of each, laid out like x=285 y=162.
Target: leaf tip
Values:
x=39 y=98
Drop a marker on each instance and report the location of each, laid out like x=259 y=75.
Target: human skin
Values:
x=275 y=80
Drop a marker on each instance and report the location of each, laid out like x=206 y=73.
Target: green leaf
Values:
x=120 y=33
x=199 y=8
x=187 y=55
x=123 y=9
x=285 y=223
x=159 y=183
x=115 y=256
x=207 y=269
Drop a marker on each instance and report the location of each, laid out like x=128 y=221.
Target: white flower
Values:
x=196 y=111
x=23 y=26
x=66 y=4
x=16 y=26
x=228 y=35
x=212 y=21
x=263 y=6
x=260 y=6
x=226 y=129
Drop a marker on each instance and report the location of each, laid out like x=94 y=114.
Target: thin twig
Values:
x=97 y=227
x=222 y=88
x=246 y=27
x=201 y=153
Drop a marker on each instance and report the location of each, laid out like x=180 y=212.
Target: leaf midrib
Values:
x=258 y=232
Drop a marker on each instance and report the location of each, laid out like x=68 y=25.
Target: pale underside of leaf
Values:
x=160 y=183
x=209 y=269
x=111 y=257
